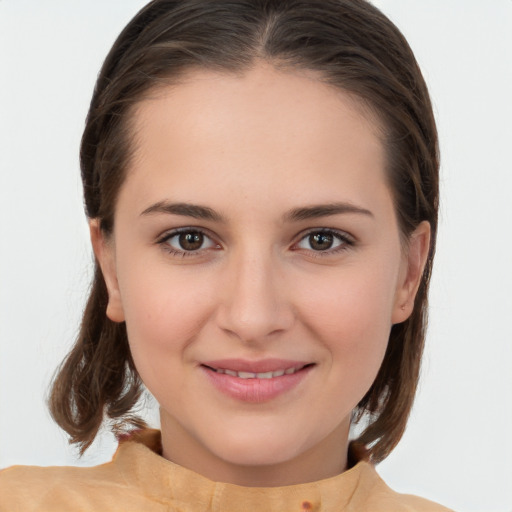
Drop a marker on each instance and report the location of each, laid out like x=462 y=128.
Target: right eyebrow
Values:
x=187 y=210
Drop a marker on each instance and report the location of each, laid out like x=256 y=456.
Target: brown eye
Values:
x=188 y=242
x=321 y=241
x=191 y=241
x=326 y=241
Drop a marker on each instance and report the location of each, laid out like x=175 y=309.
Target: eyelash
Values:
x=166 y=237
x=346 y=241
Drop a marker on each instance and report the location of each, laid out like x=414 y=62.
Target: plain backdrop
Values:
x=458 y=448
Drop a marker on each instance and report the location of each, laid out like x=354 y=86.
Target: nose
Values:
x=254 y=304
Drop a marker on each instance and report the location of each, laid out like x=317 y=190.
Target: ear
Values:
x=104 y=250
x=411 y=272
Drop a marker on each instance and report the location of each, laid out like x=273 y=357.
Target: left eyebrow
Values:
x=324 y=210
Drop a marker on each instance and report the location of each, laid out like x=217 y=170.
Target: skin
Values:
x=253 y=148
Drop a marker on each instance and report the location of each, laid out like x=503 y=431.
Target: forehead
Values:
x=255 y=96
x=259 y=130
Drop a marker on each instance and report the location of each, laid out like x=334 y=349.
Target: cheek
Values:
x=164 y=310
x=350 y=313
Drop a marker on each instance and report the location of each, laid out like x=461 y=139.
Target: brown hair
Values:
x=352 y=46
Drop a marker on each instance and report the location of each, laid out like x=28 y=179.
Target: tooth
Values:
x=261 y=375
x=265 y=375
x=246 y=375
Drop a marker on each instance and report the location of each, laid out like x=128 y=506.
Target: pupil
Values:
x=321 y=241
x=191 y=241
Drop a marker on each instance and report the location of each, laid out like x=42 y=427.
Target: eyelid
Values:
x=171 y=233
x=346 y=239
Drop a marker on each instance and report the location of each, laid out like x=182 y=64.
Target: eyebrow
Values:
x=324 y=210
x=185 y=209
x=297 y=214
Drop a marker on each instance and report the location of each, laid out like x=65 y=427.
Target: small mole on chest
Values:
x=306 y=505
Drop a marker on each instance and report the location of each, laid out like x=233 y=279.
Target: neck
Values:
x=324 y=460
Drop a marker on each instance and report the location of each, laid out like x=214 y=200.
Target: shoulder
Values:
x=110 y=486
x=30 y=488
x=378 y=497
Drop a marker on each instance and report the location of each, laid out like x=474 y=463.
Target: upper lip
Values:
x=260 y=366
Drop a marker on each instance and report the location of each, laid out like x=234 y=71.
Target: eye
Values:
x=187 y=241
x=325 y=241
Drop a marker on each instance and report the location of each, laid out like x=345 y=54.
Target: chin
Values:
x=259 y=449
x=257 y=456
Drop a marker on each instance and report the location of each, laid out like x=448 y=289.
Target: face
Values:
x=257 y=262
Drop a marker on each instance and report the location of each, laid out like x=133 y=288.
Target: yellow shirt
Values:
x=139 y=479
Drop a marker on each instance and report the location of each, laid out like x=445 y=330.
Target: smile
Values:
x=260 y=375
x=256 y=381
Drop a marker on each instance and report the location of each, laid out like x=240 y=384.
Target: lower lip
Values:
x=255 y=390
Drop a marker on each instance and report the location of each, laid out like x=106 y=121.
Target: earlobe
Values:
x=105 y=256
x=412 y=272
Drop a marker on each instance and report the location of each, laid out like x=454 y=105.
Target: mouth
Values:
x=256 y=381
x=259 y=375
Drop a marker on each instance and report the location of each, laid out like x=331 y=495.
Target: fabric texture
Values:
x=139 y=479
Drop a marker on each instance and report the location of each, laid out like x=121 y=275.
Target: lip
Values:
x=255 y=390
x=260 y=366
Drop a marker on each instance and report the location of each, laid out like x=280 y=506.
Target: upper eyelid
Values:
x=337 y=232
x=170 y=233
x=164 y=242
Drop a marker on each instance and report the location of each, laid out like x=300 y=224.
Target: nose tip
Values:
x=254 y=305
x=251 y=329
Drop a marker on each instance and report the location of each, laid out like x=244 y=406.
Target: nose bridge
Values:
x=254 y=301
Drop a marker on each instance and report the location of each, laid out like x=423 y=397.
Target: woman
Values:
x=261 y=183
